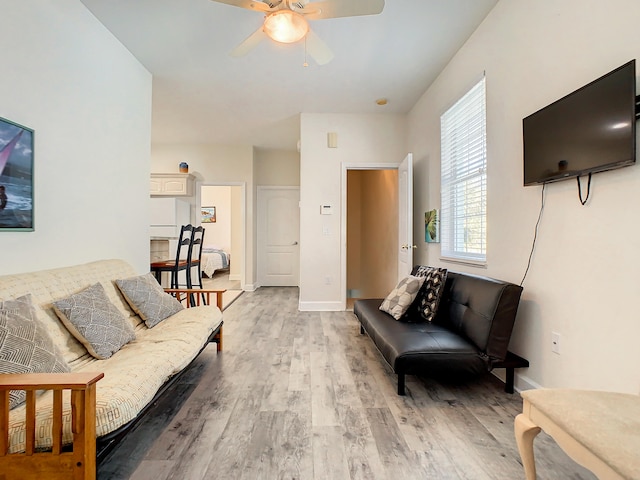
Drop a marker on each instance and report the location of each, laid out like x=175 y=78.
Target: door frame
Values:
x=243 y=210
x=346 y=166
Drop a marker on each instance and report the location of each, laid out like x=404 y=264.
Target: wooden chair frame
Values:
x=185 y=294
x=192 y=297
x=528 y=425
x=80 y=462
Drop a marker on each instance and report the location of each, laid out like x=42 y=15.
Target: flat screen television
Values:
x=590 y=130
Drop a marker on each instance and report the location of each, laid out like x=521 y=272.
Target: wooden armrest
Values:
x=80 y=462
x=48 y=381
x=191 y=293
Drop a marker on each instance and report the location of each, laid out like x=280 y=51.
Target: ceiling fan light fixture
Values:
x=286 y=26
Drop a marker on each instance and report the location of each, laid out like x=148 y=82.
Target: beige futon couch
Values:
x=132 y=376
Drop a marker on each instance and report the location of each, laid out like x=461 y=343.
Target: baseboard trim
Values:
x=521 y=382
x=235 y=277
x=249 y=287
x=320 y=306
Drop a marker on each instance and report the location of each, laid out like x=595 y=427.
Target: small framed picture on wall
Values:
x=208 y=215
x=432 y=226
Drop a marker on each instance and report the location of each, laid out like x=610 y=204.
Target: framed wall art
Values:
x=208 y=214
x=432 y=227
x=16 y=177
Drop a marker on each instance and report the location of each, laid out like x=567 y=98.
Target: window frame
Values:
x=463 y=178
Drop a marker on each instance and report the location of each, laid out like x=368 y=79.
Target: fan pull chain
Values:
x=305 y=64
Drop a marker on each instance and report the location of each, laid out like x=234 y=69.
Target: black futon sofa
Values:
x=469 y=335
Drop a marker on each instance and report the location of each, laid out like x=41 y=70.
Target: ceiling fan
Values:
x=286 y=21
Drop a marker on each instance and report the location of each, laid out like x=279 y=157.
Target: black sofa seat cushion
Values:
x=419 y=348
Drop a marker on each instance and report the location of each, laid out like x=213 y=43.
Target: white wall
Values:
x=89 y=101
x=216 y=164
x=237 y=234
x=277 y=168
x=583 y=281
x=219 y=233
x=361 y=139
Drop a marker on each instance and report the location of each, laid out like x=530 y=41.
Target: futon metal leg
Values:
x=401 y=384
x=508 y=385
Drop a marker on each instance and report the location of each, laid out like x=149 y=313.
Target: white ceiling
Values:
x=203 y=95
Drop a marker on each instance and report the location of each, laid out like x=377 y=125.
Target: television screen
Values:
x=590 y=130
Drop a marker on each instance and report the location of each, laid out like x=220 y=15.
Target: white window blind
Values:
x=463 y=210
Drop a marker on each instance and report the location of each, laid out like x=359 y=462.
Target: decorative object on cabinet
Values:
x=172 y=184
x=16 y=177
x=183 y=167
x=208 y=214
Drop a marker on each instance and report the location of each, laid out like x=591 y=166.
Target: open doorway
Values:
x=221 y=211
x=371 y=233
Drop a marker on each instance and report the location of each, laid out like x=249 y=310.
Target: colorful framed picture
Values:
x=16 y=177
x=432 y=227
x=208 y=214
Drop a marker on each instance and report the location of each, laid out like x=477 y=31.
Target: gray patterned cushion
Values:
x=95 y=321
x=25 y=346
x=401 y=297
x=148 y=299
x=429 y=296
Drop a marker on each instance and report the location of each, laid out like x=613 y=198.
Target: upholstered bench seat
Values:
x=599 y=430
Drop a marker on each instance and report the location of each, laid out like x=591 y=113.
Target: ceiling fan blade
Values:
x=250 y=43
x=248 y=4
x=317 y=49
x=341 y=8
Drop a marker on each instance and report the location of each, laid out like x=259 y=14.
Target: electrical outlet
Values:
x=327 y=280
x=555 y=342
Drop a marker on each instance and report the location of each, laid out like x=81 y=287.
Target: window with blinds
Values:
x=463 y=209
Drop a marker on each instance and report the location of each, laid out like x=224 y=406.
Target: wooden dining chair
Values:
x=194 y=257
x=178 y=264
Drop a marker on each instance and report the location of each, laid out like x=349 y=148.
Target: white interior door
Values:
x=405 y=217
x=278 y=234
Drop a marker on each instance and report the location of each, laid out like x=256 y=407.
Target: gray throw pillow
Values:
x=148 y=299
x=25 y=345
x=429 y=296
x=95 y=321
x=401 y=297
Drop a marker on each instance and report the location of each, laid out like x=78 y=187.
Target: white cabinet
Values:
x=172 y=185
x=167 y=216
x=160 y=250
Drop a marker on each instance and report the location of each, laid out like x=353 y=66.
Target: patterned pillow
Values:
x=401 y=297
x=25 y=345
x=95 y=321
x=148 y=299
x=429 y=296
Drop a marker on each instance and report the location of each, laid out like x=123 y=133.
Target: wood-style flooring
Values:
x=302 y=395
x=220 y=279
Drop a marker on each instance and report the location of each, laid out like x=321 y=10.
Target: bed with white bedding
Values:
x=213 y=259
